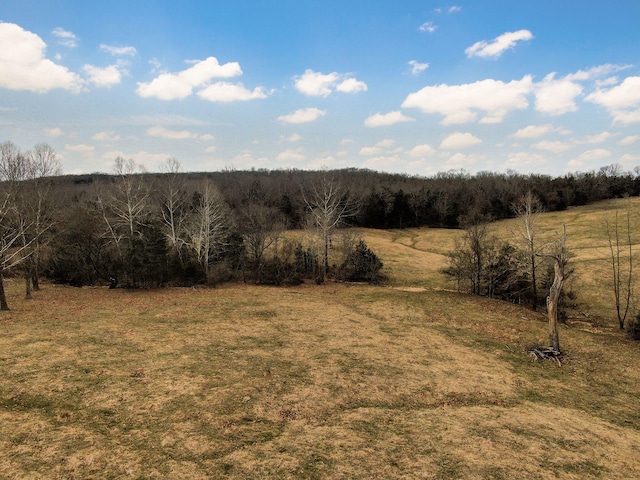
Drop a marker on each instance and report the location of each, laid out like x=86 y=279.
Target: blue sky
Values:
x=415 y=87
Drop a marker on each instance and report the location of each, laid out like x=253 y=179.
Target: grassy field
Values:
x=404 y=380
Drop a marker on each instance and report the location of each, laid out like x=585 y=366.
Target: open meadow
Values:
x=409 y=379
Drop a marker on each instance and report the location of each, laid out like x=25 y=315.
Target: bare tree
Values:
x=207 y=224
x=329 y=207
x=173 y=199
x=621 y=266
x=126 y=210
x=528 y=209
x=43 y=164
x=560 y=262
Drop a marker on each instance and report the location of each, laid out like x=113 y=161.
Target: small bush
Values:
x=634 y=327
x=361 y=265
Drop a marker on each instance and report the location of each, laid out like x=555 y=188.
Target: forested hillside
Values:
x=136 y=229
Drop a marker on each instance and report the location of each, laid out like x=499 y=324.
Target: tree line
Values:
x=137 y=229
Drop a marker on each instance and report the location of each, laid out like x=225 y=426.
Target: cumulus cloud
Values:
x=461 y=103
x=317 y=84
x=304 y=115
x=291 y=155
x=630 y=140
x=498 y=45
x=428 y=27
x=520 y=160
x=103 y=77
x=119 y=51
x=176 y=86
x=552 y=146
x=457 y=141
x=533 y=131
x=421 y=151
x=417 y=67
x=105 y=137
x=65 y=38
x=226 y=92
x=53 y=132
x=556 y=97
x=351 y=85
x=86 y=150
x=162 y=132
x=386 y=119
x=597 y=138
x=621 y=101
x=23 y=65
x=378 y=148
x=589 y=157
x=459 y=161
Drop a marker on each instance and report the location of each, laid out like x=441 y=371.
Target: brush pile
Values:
x=541 y=353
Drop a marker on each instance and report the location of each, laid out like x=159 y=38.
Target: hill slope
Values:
x=333 y=381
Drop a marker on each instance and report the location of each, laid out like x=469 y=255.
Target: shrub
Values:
x=361 y=265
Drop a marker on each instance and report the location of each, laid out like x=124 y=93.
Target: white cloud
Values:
x=351 y=85
x=86 y=150
x=162 y=132
x=291 y=155
x=552 y=146
x=119 y=51
x=66 y=38
x=520 y=160
x=172 y=86
x=499 y=45
x=304 y=115
x=588 y=158
x=597 y=71
x=148 y=161
x=421 y=151
x=428 y=27
x=295 y=137
x=630 y=140
x=378 y=148
x=417 y=67
x=106 y=137
x=532 y=131
x=556 y=97
x=622 y=101
x=386 y=119
x=461 y=160
x=318 y=84
x=458 y=140
x=53 y=132
x=593 y=155
x=103 y=77
x=211 y=149
x=630 y=160
x=226 y=92
x=460 y=103
x=597 y=138
x=454 y=9
x=23 y=65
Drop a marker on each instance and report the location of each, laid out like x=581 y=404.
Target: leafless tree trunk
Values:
x=207 y=224
x=173 y=202
x=560 y=262
x=329 y=207
x=621 y=280
x=528 y=209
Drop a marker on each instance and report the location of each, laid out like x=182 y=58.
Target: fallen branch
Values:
x=539 y=352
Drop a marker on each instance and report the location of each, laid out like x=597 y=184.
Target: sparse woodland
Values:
x=144 y=230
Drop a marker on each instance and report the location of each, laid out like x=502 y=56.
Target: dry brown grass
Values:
x=334 y=381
